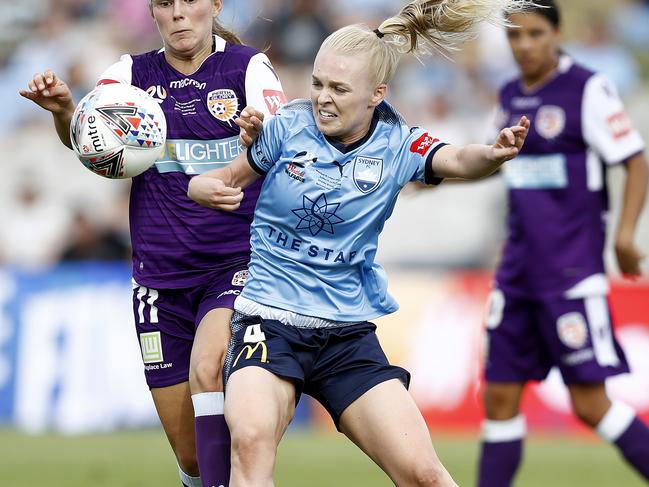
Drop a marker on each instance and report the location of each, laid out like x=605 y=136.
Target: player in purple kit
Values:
x=549 y=305
x=189 y=262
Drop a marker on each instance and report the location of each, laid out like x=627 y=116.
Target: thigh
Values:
x=252 y=387
x=590 y=402
x=516 y=350
x=164 y=321
x=580 y=338
x=387 y=425
x=350 y=363
x=208 y=351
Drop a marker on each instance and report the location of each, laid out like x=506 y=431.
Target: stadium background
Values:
x=74 y=409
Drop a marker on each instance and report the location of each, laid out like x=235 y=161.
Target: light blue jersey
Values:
x=322 y=208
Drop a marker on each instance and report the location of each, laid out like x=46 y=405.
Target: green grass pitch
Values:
x=306 y=459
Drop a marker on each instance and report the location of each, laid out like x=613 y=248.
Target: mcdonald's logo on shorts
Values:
x=250 y=351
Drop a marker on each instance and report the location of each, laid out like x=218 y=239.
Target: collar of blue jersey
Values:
x=355 y=145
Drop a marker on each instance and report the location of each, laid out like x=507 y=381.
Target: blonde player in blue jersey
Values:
x=189 y=262
x=333 y=169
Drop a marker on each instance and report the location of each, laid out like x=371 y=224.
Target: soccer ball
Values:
x=118 y=131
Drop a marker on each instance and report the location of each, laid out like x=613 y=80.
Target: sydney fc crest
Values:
x=368 y=172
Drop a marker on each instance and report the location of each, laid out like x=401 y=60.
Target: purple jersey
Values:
x=176 y=242
x=557 y=187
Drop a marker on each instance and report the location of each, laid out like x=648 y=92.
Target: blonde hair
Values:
x=421 y=28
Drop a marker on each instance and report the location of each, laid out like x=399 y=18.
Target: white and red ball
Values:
x=118 y=131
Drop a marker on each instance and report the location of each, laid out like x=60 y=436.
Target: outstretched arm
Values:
x=222 y=189
x=51 y=93
x=475 y=161
x=637 y=178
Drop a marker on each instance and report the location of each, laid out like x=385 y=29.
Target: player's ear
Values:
x=218 y=5
x=380 y=92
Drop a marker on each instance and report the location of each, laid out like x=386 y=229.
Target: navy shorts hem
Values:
x=278 y=371
x=298 y=382
x=396 y=373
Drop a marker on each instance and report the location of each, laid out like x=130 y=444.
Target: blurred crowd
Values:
x=51 y=209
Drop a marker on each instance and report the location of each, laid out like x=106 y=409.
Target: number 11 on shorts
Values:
x=153 y=311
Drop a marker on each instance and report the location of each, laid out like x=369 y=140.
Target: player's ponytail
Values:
x=426 y=26
x=422 y=27
x=224 y=33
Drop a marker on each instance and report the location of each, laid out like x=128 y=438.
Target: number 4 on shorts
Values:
x=254 y=334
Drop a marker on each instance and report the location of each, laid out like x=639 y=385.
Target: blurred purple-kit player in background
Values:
x=549 y=305
x=189 y=262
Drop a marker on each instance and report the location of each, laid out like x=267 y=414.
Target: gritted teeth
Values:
x=326 y=114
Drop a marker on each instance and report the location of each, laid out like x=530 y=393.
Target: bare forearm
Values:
x=62 y=125
x=477 y=161
x=223 y=174
x=635 y=191
x=221 y=189
x=238 y=174
x=473 y=161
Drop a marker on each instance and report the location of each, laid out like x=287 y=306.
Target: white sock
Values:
x=616 y=421
x=188 y=480
x=208 y=403
x=501 y=431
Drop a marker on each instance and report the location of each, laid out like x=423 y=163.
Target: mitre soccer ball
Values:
x=118 y=131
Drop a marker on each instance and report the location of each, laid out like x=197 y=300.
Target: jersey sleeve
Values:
x=263 y=87
x=416 y=157
x=605 y=125
x=265 y=151
x=120 y=72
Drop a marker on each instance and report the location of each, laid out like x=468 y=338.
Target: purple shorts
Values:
x=166 y=322
x=526 y=338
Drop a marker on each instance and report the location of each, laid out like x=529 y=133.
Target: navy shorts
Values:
x=335 y=366
x=166 y=322
x=526 y=338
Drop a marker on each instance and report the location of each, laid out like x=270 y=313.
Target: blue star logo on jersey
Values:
x=318 y=215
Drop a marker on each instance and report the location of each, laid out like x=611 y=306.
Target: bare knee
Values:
x=589 y=413
x=205 y=374
x=250 y=442
x=430 y=474
x=501 y=401
x=587 y=417
x=590 y=403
